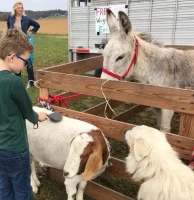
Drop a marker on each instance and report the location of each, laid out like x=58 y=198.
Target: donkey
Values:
x=127 y=56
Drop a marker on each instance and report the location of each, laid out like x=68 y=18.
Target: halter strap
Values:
x=133 y=61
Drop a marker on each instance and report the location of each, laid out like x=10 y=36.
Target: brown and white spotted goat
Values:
x=76 y=147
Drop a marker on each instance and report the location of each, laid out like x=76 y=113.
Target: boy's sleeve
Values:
x=23 y=101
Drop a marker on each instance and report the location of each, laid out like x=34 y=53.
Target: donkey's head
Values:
x=121 y=52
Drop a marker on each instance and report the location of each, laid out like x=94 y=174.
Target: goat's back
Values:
x=50 y=142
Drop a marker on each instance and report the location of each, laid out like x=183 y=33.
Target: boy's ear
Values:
x=11 y=57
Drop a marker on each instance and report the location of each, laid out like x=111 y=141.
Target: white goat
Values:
x=76 y=147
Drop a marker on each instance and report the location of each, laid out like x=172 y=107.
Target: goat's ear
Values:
x=93 y=165
x=111 y=21
x=124 y=23
x=141 y=149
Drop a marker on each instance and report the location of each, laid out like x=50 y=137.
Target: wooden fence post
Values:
x=44 y=93
x=186 y=126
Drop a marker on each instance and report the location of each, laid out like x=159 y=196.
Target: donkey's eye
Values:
x=119 y=58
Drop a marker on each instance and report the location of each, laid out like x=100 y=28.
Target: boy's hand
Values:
x=42 y=116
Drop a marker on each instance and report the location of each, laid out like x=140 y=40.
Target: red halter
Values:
x=133 y=61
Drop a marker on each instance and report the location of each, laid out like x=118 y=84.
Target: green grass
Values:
x=51 y=35
x=50 y=50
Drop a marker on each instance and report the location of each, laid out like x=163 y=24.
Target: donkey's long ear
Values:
x=111 y=21
x=124 y=22
x=93 y=165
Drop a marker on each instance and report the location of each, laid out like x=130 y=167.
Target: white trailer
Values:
x=168 y=21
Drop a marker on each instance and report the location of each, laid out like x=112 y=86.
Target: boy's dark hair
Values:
x=14 y=41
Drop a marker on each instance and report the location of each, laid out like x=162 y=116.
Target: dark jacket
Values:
x=26 y=22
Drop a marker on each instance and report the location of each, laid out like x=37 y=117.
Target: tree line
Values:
x=35 y=14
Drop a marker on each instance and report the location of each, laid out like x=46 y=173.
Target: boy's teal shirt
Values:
x=15 y=108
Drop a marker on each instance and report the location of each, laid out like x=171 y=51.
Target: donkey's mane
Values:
x=148 y=38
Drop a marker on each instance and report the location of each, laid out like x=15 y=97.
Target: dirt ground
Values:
x=49 y=26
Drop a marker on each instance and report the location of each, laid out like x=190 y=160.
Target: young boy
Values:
x=15 y=108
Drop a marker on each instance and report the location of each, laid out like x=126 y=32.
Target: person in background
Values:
x=18 y=19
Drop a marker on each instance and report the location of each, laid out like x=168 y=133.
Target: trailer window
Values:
x=81 y=3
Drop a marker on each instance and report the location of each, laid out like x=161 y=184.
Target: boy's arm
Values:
x=23 y=101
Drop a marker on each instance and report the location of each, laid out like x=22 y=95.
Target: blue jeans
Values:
x=15 y=171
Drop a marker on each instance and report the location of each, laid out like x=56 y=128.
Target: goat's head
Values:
x=88 y=153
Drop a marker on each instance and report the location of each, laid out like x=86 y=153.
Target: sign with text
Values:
x=100 y=16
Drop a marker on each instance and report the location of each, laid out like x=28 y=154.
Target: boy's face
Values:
x=17 y=62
